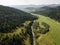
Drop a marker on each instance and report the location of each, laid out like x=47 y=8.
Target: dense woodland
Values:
x=11 y=18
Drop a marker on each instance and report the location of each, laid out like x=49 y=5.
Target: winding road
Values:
x=31 y=33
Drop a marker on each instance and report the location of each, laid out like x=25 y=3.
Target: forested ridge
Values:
x=52 y=12
x=11 y=18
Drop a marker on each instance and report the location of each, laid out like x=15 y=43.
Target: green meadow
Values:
x=53 y=36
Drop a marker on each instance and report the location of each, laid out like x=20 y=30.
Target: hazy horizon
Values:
x=28 y=2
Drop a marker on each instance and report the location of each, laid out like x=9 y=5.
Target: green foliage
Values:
x=15 y=40
x=39 y=29
x=36 y=25
x=11 y=18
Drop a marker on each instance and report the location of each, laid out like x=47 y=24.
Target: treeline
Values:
x=52 y=12
x=11 y=18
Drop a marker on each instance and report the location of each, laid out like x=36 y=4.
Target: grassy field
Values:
x=53 y=36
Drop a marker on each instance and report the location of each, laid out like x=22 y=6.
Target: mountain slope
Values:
x=13 y=26
x=52 y=12
x=11 y=18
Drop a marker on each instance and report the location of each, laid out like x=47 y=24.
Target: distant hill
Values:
x=32 y=8
x=41 y=7
x=26 y=8
x=52 y=12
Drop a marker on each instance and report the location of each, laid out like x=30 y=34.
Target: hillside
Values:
x=13 y=23
x=52 y=12
x=11 y=18
x=53 y=36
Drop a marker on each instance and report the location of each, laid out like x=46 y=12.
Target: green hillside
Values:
x=13 y=26
x=11 y=18
x=52 y=12
x=53 y=36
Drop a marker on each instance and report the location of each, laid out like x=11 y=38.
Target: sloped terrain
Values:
x=53 y=36
x=52 y=12
x=11 y=18
x=13 y=23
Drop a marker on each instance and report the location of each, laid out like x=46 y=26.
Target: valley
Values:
x=19 y=27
